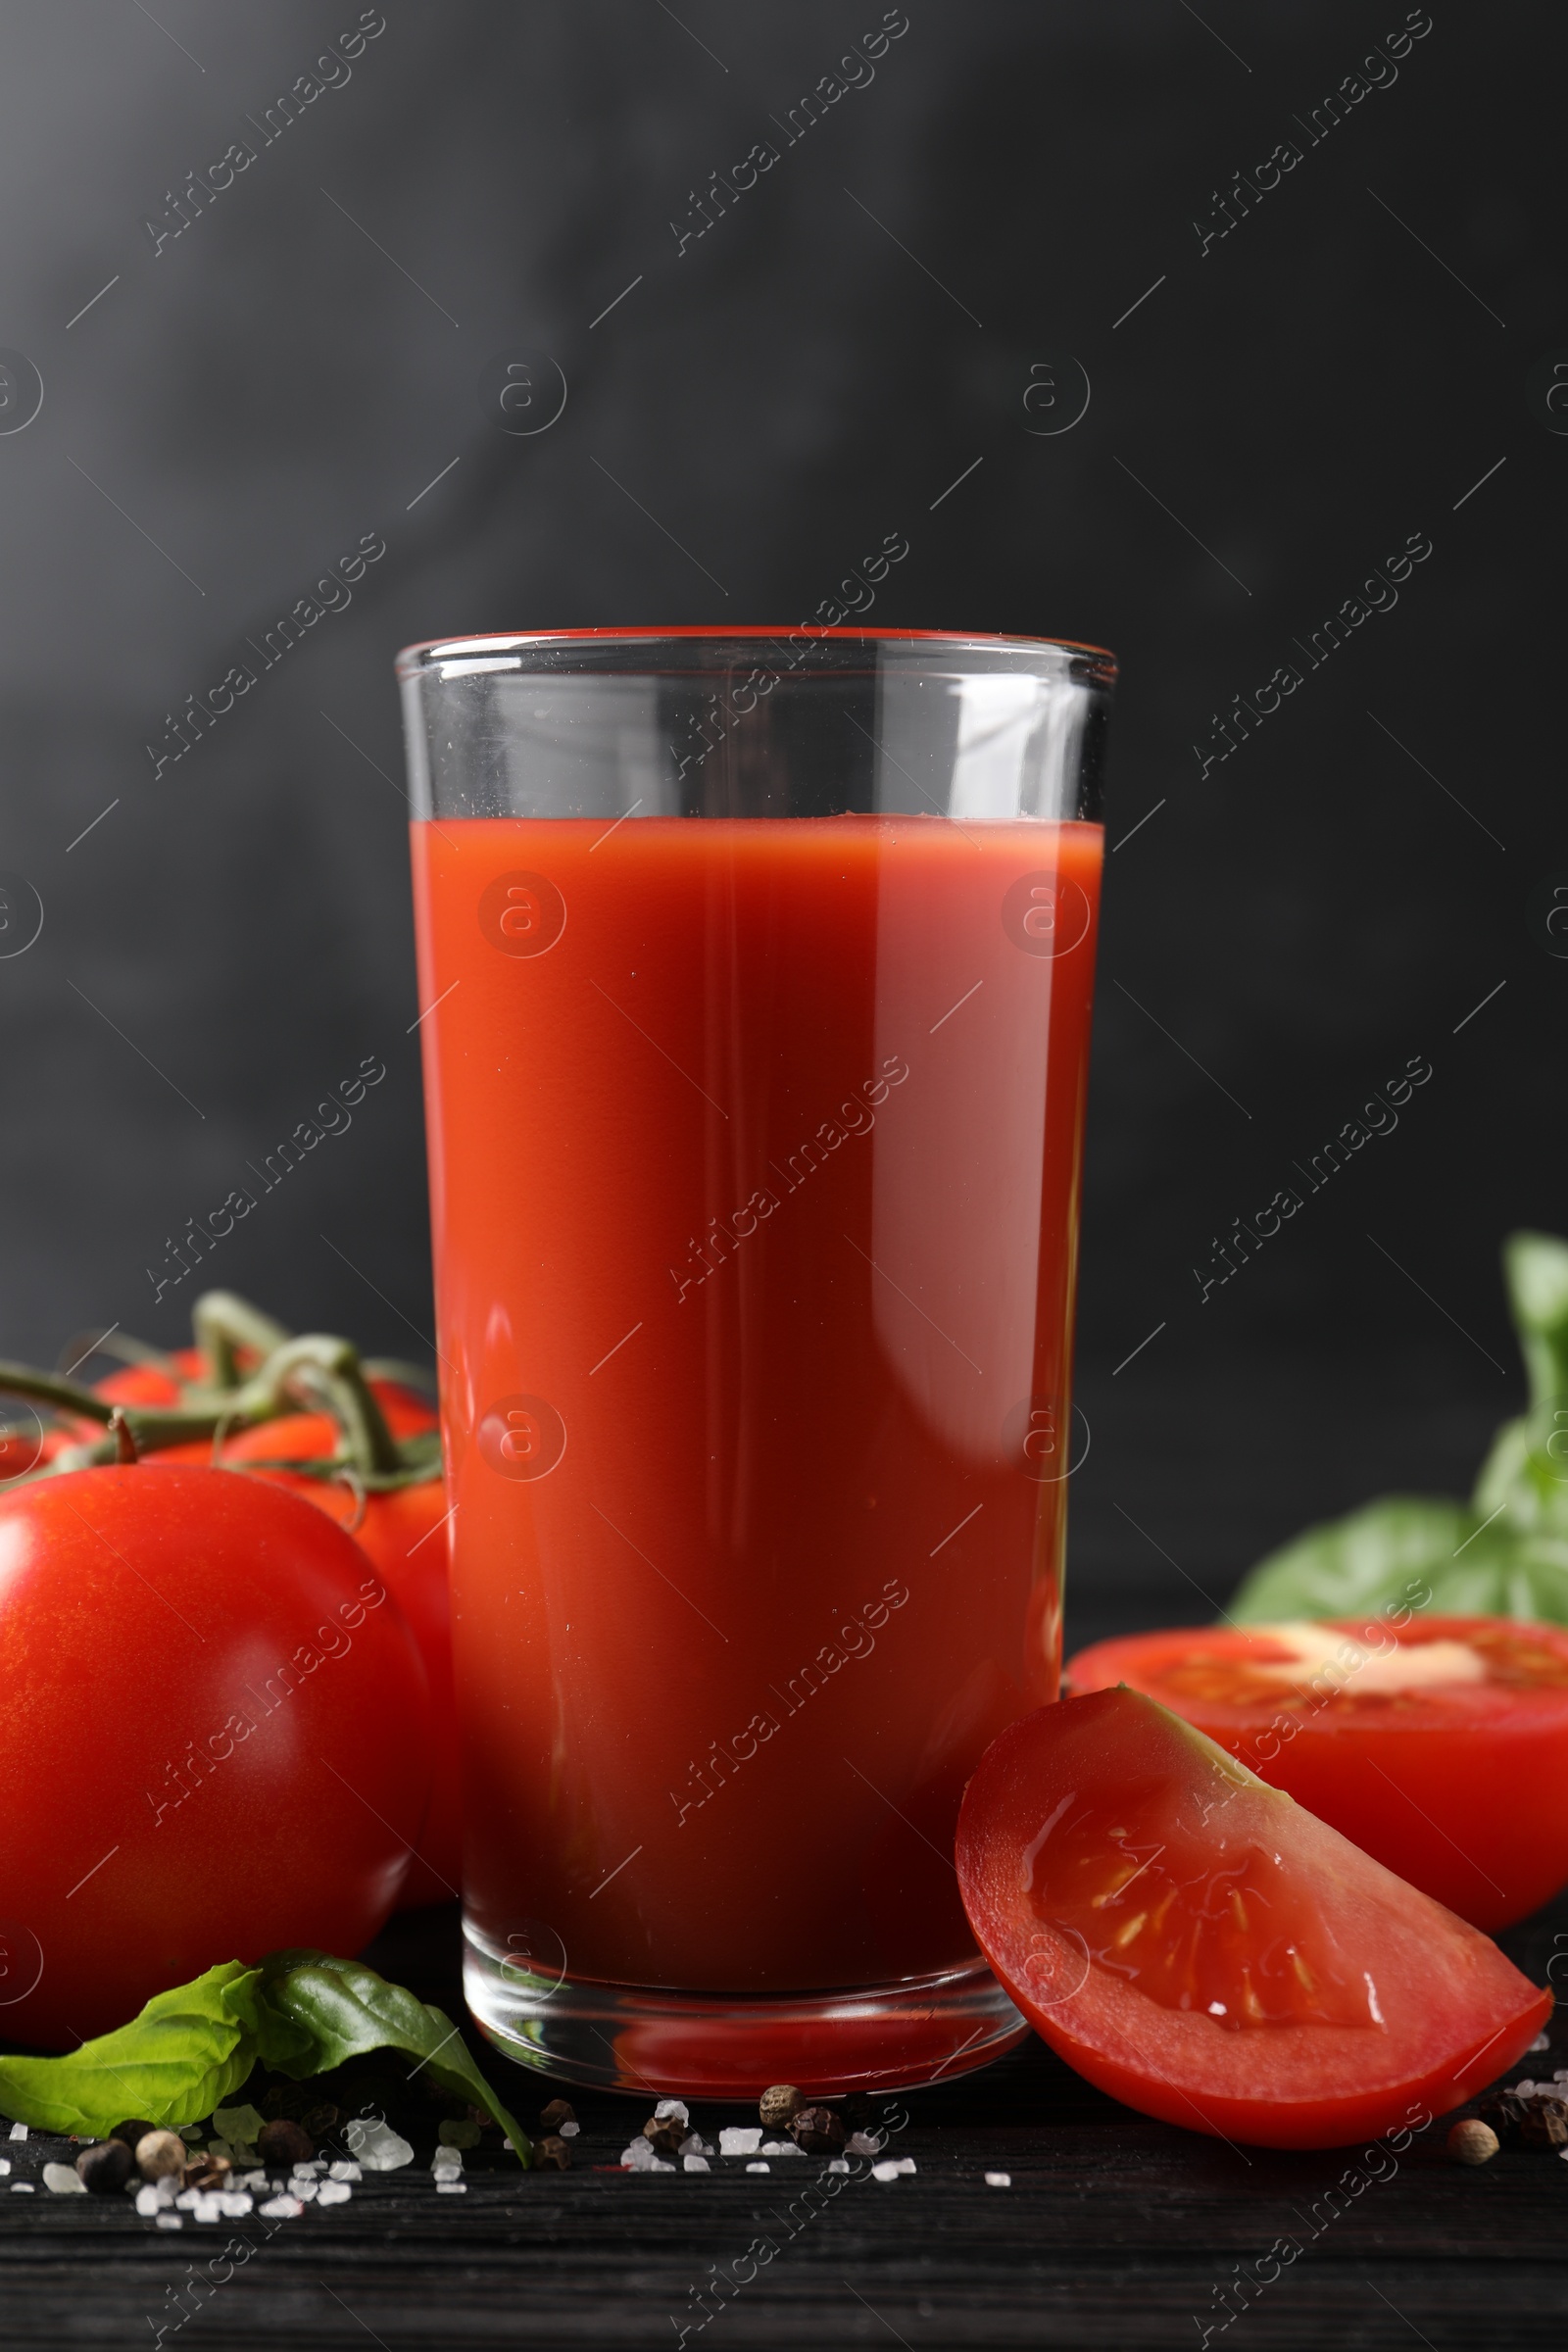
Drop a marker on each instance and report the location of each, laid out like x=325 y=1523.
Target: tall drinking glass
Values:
x=756 y=971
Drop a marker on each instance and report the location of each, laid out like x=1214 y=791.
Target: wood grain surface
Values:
x=1115 y=2232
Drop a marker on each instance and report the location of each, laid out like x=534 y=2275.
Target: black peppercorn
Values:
x=105 y=2168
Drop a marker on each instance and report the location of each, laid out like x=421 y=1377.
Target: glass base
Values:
x=897 y=2037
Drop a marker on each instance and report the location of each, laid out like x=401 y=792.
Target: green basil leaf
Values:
x=316 y=2011
x=188 y=2050
x=1388 y=1552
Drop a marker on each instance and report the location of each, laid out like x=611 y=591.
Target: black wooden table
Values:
x=1115 y=2232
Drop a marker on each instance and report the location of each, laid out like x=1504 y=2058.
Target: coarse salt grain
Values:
x=186 y=2199
x=333 y=2192
x=891 y=2167
x=148 y=2200
x=867 y=2143
x=460 y=2189
x=308 y=2171
x=782 y=2147
x=280 y=2209
x=697 y=2164
x=567 y=2131
x=208 y=2207
x=839 y=2164
x=305 y=2190
x=21 y=2189
x=19 y=2131
x=672 y=2111
x=999 y=2179
x=346 y=2172
x=1542 y=2041
x=235 y=2202
x=379 y=2148
x=171 y=2221
x=758 y=2168
x=252 y=2181
x=5 y=2165
x=63 y=2180
x=740 y=2140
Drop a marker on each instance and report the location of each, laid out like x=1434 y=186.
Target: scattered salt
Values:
x=567 y=2131
x=694 y=2145
x=697 y=2164
x=460 y=2189
x=782 y=2147
x=446 y=2163
x=234 y=2202
x=839 y=2164
x=865 y=2143
x=672 y=2111
x=171 y=2221
x=333 y=2192
x=304 y=2190
x=740 y=2140
x=311 y=2171
x=63 y=2180
x=186 y=2199
x=252 y=2180
x=891 y=2167
x=147 y=2199
x=19 y=2131
x=758 y=2168
x=999 y=2179
x=21 y=2189
x=1542 y=2041
x=378 y=2146
x=209 y=2207
x=346 y=2172
x=280 y=2209
x=5 y=2164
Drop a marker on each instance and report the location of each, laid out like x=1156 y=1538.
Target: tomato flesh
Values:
x=1440 y=1746
x=1201 y=1947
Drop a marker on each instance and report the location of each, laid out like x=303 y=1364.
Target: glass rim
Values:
x=414 y=660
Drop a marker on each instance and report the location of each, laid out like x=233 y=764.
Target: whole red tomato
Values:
x=214 y=1739
x=402 y=1530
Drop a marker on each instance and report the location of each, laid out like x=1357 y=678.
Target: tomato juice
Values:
x=754 y=1168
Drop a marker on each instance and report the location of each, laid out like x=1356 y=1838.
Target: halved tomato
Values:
x=1439 y=1745
x=1196 y=1945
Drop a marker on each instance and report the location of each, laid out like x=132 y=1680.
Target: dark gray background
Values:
x=1276 y=417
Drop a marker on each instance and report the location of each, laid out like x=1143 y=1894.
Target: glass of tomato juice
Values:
x=756 y=970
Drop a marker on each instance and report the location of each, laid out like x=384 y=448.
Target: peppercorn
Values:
x=1545 y=2124
x=777 y=2106
x=665 y=2132
x=551 y=2118
x=159 y=2153
x=207 y=2172
x=819 y=2130
x=317 y=2121
x=134 y=2131
x=1472 y=2141
x=284 y=2143
x=105 y=2168
x=552 y=2154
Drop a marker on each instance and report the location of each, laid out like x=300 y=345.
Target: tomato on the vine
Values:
x=402 y=1531
x=214 y=1739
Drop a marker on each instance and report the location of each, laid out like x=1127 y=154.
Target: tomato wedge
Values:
x=1198 y=1945
x=1440 y=1746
